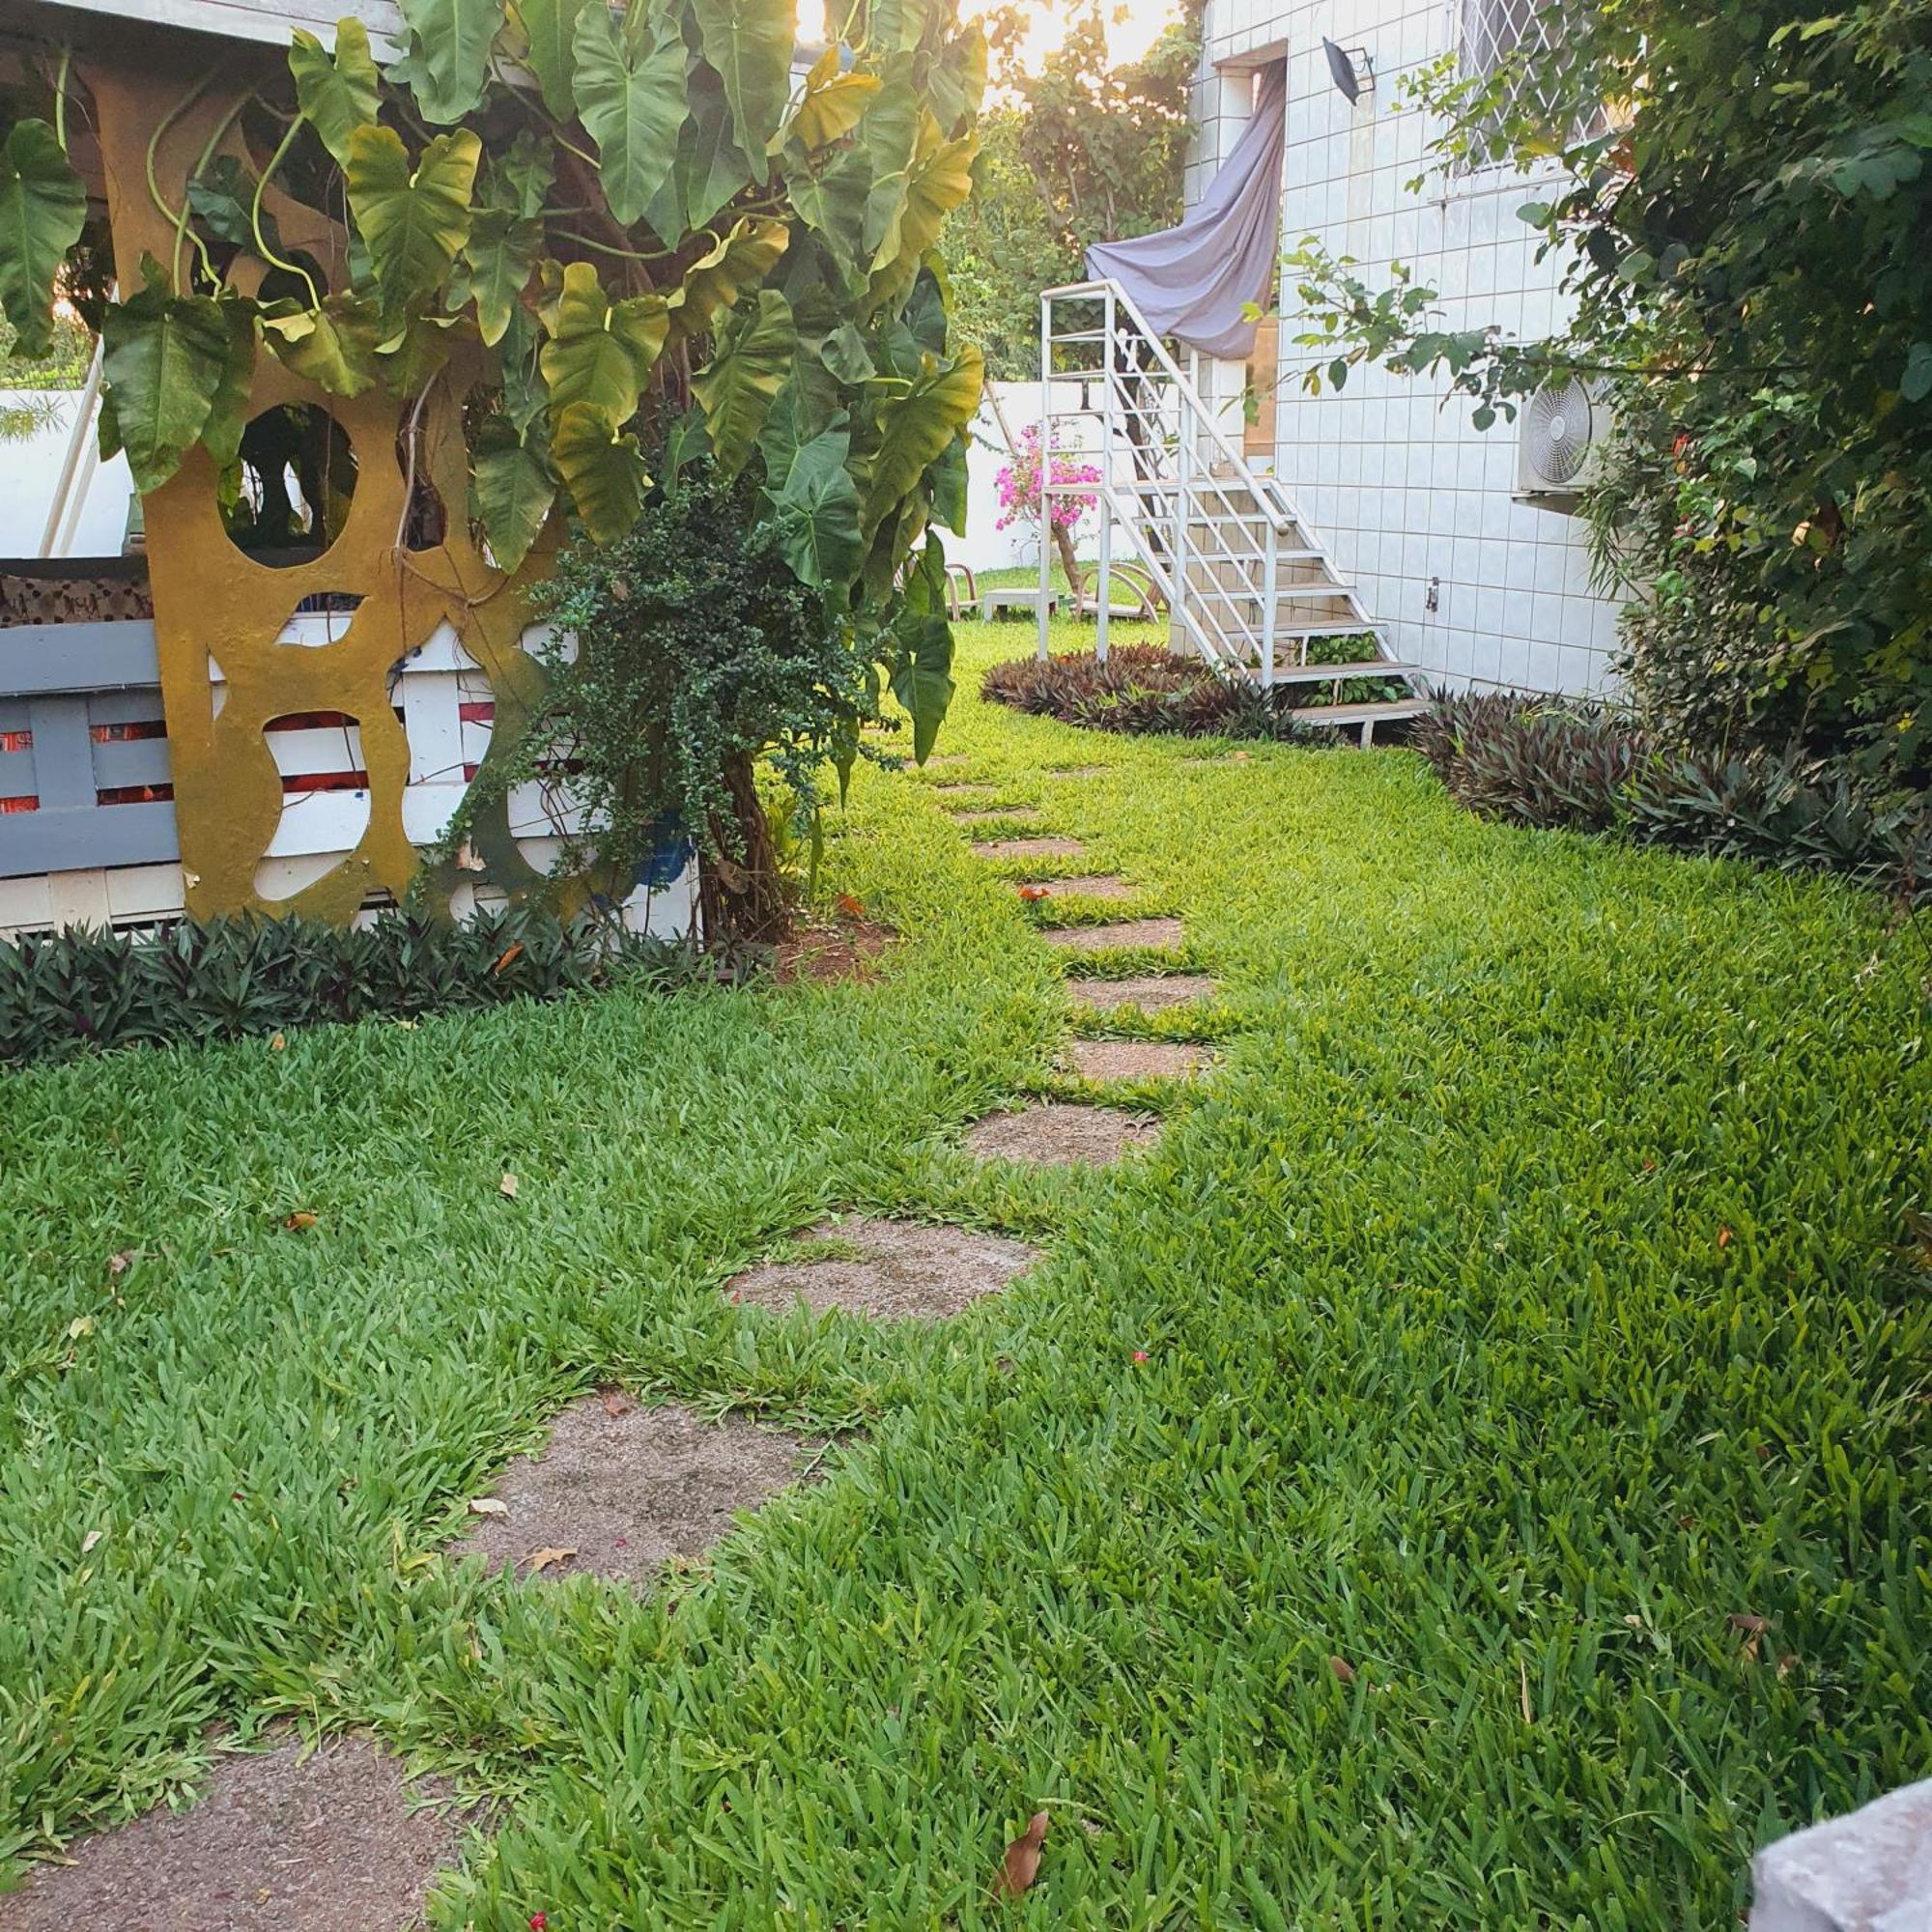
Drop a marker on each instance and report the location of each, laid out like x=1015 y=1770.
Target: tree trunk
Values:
x=740 y=891
x=1069 y=563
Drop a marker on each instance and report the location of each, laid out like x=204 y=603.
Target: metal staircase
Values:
x=1247 y=584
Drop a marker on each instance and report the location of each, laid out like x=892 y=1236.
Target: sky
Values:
x=1132 y=26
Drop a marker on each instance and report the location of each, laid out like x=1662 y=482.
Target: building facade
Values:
x=1417 y=506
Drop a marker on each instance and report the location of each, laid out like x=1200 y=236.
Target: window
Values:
x=1496 y=35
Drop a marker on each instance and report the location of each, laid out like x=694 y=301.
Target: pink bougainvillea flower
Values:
x=1140 y=1355
x=538 y=1922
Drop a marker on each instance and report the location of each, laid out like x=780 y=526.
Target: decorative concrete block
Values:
x=1868 y=1871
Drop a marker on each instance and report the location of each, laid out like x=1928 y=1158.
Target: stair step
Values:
x=1313 y=673
x=1385 y=711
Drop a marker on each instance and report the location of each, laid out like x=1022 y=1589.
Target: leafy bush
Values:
x=685 y=651
x=1144 y=687
x=1590 y=768
x=65 y=993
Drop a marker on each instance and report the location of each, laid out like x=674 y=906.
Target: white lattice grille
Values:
x=1515 y=36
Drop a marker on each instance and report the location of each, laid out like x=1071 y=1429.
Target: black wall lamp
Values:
x=1350 y=68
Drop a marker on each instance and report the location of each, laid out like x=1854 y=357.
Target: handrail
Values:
x=1125 y=301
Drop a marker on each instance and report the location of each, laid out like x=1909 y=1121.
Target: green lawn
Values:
x=1522 y=1301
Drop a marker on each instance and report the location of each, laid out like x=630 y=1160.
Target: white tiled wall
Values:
x=1389 y=472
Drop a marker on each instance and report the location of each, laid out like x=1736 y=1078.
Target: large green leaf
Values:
x=497 y=259
x=921 y=676
x=414 y=224
x=165 y=357
x=448 y=60
x=715 y=282
x=710 y=166
x=939 y=181
x=338 y=96
x=818 y=513
x=956 y=81
x=831 y=203
x=737 y=388
x=890 y=136
x=749 y=43
x=915 y=427
x=603 y=472
x=600 y=353
x=333 y=346
x=228 y=407
x=43 y=208
x=631 y=100
x=549 y=32
x=511 y=490
x=806 y=405
x=831 y=103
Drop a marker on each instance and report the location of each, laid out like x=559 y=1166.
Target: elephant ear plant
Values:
x=679 y=266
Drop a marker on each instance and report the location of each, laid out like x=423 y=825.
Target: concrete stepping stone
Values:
x=889 y=1271
x=962 y=788
x=622 y=1488
x=1085 y=886
x=1151 y=993
x=1057 y=1133
x=1077 y=771
x=334 y=1841
x=1030 y=848
x=1001 y=814
x=1127 y=932
x=1138 y=1058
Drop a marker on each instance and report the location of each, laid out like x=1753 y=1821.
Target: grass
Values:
x=1524 y=1301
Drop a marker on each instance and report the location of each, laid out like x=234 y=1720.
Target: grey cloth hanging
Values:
x=1193 y=282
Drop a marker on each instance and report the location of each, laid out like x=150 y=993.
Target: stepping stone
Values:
x=1002 y=814
x=623 y=1488
x=946 y=761
x=1087 y=886
x=1152 y=994
x=1055 y=1133
x=1078 y=771
x=1138 y=1058
x=963 y=789
x=1030 y=848
x=889 y=1271
x=1128 y=932
x=334 y=1841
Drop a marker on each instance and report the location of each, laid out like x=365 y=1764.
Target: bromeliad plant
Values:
x=663 y=252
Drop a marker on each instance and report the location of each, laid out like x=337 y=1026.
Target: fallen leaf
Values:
x=1786 y=1664
x=488 y=1506
x=615 y=1402
x=277 y=1042
x=508 y=958
x=1021 y=1864
x=508 y=1185
x=118 y=1265
x=1344 y=1670
x=94 y=1536
x=1724 y=1237
x=1687 y=1522
x=81 y=1324
x=1523 y=1676
x=544 y=1559
x=1032 y=892
x=1744 y=1620
x=301 y=1218
x=849 y=906
x=1635 y=1622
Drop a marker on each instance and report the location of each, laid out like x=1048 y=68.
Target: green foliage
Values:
x=1079 y=152
x=43 y=210
x=168 y=359
x=696 y=652
x=336 y=95
x=630 y=95
x=1146 y=688
x=1742 y=240
x=68 y=993
x=1480 y=1321
x=1589 y=768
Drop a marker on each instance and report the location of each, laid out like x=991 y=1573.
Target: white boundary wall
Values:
x=1404 y=492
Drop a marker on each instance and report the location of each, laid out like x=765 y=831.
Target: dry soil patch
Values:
x=1128 y=932
x=1054 y=1133
x=890 y=1270
x=623 y=1489
x=277 y=1842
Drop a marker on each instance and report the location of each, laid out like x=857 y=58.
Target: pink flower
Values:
x=1019 y=486
x=1140 y=1355
x=538 y=1922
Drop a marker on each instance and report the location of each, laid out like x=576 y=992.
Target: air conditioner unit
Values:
x=1560 y=444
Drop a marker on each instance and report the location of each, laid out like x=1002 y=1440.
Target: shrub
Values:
x=1142 y=687
x=65 y=993
x=1589 y=767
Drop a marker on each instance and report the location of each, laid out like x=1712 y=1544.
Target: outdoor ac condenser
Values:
x=1560 y=444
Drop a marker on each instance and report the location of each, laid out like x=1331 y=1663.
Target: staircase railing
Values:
x=1223 y=542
